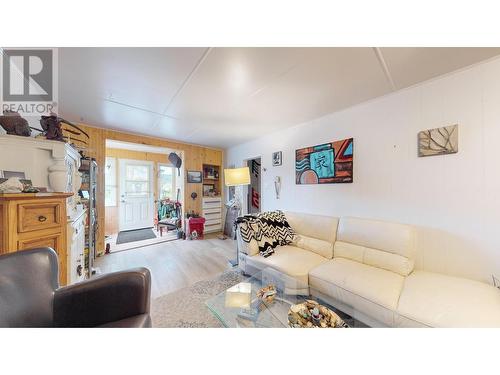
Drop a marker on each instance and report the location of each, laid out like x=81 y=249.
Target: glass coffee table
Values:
x=239 y=306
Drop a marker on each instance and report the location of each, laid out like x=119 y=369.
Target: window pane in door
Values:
x=137 y=188
x=137 y=173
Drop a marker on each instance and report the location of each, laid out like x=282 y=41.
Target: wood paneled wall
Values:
x=194 y=158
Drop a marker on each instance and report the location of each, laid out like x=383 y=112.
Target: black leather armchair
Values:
x=30 y=295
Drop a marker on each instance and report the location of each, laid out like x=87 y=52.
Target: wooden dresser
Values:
x=29 y=221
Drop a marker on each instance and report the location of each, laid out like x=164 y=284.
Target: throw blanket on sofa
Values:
x=269 y=229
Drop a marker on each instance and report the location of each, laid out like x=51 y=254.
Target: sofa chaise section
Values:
x=434 y=300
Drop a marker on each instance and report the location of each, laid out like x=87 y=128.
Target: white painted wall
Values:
x=453 y=199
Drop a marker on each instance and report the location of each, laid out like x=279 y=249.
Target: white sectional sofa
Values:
x=366 y=269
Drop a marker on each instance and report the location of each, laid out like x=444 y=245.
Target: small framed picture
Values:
x=9 y=174
x=194 y=177
x=277 y=158
x=207 y=189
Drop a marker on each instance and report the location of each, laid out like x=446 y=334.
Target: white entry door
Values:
x=136 y=205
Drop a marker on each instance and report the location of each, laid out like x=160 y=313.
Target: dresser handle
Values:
x=41 y=219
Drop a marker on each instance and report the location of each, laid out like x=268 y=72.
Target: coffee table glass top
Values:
x=239 y=306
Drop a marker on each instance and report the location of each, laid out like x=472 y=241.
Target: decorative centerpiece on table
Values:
x=267 y=293
x=310 y=314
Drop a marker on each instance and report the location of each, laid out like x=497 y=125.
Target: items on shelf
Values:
x=14 y=124
x=88 y=194
x=211 y=172
x=17 y=185
x=52 y=129
x=209 y=190
x=211 y=183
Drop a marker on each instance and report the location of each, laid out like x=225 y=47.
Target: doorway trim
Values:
x=112 y=143
x=245 y=189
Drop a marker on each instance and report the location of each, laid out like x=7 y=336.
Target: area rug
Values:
x=135 y=235
x=186 y=307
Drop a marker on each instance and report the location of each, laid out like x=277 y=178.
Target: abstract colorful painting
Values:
x=329 y=163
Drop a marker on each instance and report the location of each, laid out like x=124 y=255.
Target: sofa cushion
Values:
x=394 y=238
x=349 y=251
x=290 y=260
x=374 y=284
x=320 y=247
x=376 y=258
x=381 y=244
x=315 y=226
x=438 y=300
x=387 y=261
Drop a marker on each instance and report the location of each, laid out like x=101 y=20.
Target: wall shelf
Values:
x=211 y=180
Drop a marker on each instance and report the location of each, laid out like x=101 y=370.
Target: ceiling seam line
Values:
x=384 y=66
x=188 y=78
x=272 y=81
x=139 y=108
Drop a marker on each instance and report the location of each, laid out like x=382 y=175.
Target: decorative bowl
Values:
x=310 y=314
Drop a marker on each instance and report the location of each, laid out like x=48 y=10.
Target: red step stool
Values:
x=195 y=224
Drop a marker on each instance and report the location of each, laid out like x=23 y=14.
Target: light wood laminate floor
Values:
x=176 y=264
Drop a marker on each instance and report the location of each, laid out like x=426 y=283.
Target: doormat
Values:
x=126 y=236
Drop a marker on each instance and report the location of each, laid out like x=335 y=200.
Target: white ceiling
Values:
x=225 y=96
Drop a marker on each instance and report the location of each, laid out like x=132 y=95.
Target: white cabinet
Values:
x=212 y=212
x=76 y=247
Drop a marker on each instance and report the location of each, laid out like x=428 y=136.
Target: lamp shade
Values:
x=237 y=176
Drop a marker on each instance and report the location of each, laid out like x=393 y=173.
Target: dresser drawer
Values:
x=209 y=203
x=53 y=241
x=36 y=216
x=209 y=222
x=211 y=210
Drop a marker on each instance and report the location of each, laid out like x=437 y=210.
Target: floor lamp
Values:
x=237 y=177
